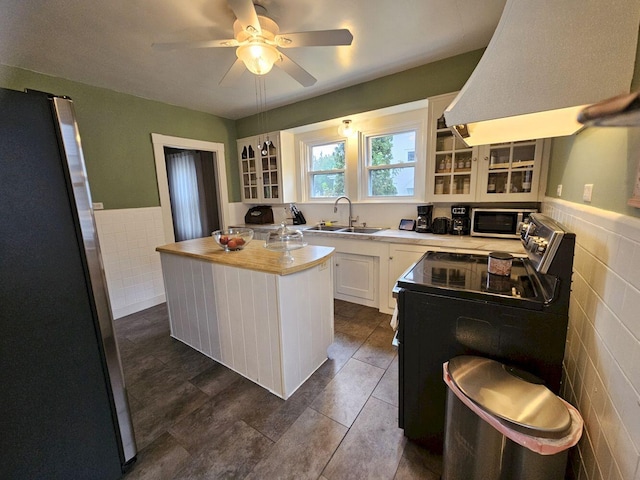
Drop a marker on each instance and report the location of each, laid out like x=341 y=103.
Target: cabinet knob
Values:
x=486 y=159
x=390 y=258
x=337 y=264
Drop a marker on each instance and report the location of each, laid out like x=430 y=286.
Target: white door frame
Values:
x=159 y=142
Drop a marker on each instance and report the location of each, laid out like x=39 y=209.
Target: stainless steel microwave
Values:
x=498 y=222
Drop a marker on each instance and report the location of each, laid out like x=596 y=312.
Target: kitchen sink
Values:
x=344 y=229
x=363 y=229
x=326 y=228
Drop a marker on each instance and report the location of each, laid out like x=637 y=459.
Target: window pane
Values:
x=327 y=185
x=327 y=157
x=392 y=149
x=392 y=182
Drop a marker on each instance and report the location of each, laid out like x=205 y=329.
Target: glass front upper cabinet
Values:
x=511 y=171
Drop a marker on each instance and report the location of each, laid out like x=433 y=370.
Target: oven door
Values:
x=500 y=223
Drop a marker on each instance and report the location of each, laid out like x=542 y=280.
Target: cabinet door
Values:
x=401 y=257
x=451 y=164
x=270 y=172
x=355 y=278
x=511 y=171
x=249 y=170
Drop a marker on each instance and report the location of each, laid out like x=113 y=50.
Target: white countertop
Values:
x=462 y=242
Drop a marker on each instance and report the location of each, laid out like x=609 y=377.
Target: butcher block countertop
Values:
x=253 y=257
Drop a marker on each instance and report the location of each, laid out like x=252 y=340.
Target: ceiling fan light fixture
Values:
x=346 y=128
x=258 y=57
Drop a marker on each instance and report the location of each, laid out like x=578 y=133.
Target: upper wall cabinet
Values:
x=267 y=169
x=509 y=172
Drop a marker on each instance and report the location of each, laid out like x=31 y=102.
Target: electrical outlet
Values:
x=559 y=190
x=586 y=193
x=98 y=206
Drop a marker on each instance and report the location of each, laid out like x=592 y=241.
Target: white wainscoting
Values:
x=272 y=329
x=128 y=239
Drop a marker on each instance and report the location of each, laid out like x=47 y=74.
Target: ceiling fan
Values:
x=257 y=39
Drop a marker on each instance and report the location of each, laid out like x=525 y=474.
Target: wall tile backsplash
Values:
x=602 y=360
x=128 y=239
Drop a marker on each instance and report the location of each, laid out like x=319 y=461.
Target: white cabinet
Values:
x=506 y=172
x=355 y=278
x=267 y=168
x=452 y=166
x=512 y=172
x=401 y=257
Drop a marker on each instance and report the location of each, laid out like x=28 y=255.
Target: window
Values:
x=390 y=164
x=326 y=170
x=384 y=162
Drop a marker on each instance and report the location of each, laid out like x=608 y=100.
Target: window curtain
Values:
x=185 y=200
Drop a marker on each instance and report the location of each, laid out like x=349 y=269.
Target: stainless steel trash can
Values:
x=498 y=421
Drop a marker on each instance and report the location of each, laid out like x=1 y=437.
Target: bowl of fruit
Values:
x=233 y=239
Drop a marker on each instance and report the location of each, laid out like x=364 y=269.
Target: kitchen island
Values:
x=271 y=322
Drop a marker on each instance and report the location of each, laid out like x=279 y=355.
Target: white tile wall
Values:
x=602 y=360
x=128 y=239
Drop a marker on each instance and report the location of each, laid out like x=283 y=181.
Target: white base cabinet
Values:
x=355 y=278
x=401 y=257
x=272 y=329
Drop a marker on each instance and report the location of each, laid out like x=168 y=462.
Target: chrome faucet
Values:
x=335 y=209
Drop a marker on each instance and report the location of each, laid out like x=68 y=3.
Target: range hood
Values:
x=547 y=61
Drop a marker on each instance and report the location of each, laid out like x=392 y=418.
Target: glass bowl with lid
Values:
x=285 y=239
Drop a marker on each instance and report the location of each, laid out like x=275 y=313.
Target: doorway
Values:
x=192 y=184
x=192 y=192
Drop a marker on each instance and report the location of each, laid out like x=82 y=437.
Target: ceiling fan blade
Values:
x=315 y=39
x=233 y=74
x=246 y=14
x=230 y=42
x=298 y=73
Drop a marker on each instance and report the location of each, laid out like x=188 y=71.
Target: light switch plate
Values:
x=559 y=190
x=586 y=193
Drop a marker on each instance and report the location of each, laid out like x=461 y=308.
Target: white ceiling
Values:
x=107 y=43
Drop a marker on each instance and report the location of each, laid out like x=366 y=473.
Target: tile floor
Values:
x=196 y=419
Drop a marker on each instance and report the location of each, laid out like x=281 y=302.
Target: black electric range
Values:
x=450 y=305
x=466 y=276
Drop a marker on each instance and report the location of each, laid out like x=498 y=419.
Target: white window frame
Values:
x=309 y=173
x=410 y=121
x=389 y=120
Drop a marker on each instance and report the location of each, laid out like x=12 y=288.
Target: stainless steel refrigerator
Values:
x=63 y=404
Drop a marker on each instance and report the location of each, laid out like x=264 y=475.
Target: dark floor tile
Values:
x=339 y=353
x=345 y=309
x=274 y=423
x=232 y=454
x=158 y=416
x=159 y=460
x=215 y=379
x=186 y=358
x=418 y=462
x=387 y=389
x=377 y=350
x=352 y=326
x=218 y=413
x=303 y=451
x=153 y=381
x=372 y=448
x=346 y=394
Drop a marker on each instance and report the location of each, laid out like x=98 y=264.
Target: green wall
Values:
x=603 y=156
x=418 y=83
x=116 y=137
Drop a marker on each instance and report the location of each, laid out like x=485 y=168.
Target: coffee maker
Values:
x=423 y=222
x=460 y=220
